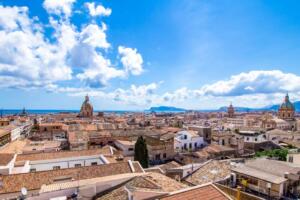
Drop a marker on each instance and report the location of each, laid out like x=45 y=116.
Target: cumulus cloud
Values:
x=12 y=18
x=59 y=7
x=140 y=95
x=94 y=36
x=258 y=96
x=181 y=94
x=74 y=53
x=25 y=53
x=99 y=71
x=253 y=82
x=131 y=60
x=97 y=10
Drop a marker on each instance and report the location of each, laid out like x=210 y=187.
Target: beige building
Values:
x=287 y=109
x=86 y=108
x=274 y=178
x=160 y=147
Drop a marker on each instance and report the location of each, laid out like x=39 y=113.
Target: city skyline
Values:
x=130 y=55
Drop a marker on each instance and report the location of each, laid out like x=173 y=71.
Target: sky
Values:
x=132 y=54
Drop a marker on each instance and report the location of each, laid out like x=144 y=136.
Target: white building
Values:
x=187 y=140
x=25 y=163
x=127 y=147
x=253 y=136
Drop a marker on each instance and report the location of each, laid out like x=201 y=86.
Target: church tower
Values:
x=287 y=109
x=86 y=108
x=230 y=111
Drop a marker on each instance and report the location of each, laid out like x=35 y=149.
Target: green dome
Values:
x=287 y=104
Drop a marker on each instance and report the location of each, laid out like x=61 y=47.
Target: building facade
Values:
x=286 y=110
x=86 y=108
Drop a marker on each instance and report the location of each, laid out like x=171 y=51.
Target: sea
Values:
x=40 y=112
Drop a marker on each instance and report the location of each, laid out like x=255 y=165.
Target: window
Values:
x=191 y=145
x=157 y=157
x=77 y=165
x=185 y=146
x=56 y=167
x=94 y=163
x=291 y=160
x=32 y=170
x=130 y=149
x=255 y=139
x=195 y=144
x=247 y=138
x=185 y=137
x=164 y=155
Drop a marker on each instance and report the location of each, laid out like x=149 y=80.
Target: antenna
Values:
x=24 y=191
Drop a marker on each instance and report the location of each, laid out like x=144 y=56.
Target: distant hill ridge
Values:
x=223 y=109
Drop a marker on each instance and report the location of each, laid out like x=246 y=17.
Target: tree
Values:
x=141 y=152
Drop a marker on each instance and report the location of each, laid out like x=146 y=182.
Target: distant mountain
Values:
x=223 y=109
x=166 y=109
x=267 y=108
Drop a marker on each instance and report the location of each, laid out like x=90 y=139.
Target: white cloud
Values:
x=59 y=7
x=99 y=71
x=141 y=95
x=98 y=10
x=178 y=95
x=253 y=82
x=145 y=96
x=26 y=55
x=35 y=59
x=94 y=36
x=131 y=60
x=12 y=18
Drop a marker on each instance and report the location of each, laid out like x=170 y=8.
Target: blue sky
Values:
x=134 y=54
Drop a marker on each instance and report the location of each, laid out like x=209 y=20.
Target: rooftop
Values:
x=206 y=192
x=259 y=174
x=34 y=180
x=212 y=171
x=5 y=158
x=62 y=154
x=154 y=182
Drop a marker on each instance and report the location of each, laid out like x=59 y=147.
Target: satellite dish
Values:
x=23 y=191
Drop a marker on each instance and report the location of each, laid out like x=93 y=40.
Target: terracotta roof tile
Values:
x=212 y=171
x=5 y=158
x=208 y=192
x=34 y=180
x=62 y=154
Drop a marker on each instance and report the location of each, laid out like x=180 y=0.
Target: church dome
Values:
x=287 y=104
x=86 y=108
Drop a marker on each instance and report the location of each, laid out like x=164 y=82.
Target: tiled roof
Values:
x=259 y=174
x=212 y=171
x=14 y=147
x=117 y=194
x=274 y=167
x=207 y=192
x=169 y=165
x=34 y=180
x=148 y=182
x=62 y=154
x=5 y=158
x=4 y=132
x=167 y=184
